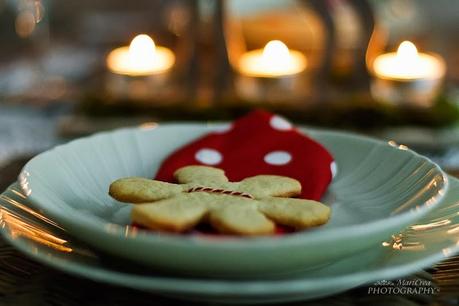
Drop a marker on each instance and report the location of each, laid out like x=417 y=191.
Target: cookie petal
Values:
x=141 y=190
x=200 y=175
x=296 y=213
x=240 y=220
x=173 y=215
x=262 y=186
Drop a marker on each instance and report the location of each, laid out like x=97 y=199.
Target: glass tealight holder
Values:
x=273 y=47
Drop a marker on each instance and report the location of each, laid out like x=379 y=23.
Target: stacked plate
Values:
x=60 y=213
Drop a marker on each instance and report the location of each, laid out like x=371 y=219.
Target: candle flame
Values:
x=142 y=51
x=142 y=46
x=407 y=50
x=274 y=60
x=408 y=64
x=274 y=51
x=142 y=57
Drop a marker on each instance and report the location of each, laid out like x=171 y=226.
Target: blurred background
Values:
x=387 y=68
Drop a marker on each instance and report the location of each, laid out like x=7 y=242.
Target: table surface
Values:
x=26 y=282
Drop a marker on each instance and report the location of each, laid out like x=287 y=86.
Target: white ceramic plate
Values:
x=378 y=190
x=431 y=240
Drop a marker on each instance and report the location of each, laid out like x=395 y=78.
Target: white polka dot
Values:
x=208 y=156
x=278 y=158
x=333 y=169
x=279 y=123
x=223 y=128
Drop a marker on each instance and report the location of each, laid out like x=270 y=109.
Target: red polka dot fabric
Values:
x=258 y=143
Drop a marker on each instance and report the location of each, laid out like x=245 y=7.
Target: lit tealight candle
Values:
x=408 y=76
x=274 y=60
x=408 y=64
x=141 y=58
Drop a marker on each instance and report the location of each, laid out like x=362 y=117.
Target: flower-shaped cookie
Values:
x=249 y=207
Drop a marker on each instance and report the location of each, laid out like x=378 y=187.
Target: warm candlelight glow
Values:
x=142 y=57
x=408 y=64
x=274 y=60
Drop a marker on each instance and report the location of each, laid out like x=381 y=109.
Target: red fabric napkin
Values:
x=258 y=143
